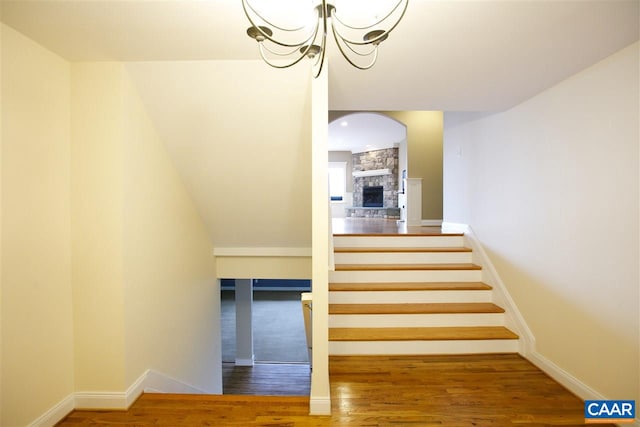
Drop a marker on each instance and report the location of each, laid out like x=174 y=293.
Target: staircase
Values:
x=411 y=294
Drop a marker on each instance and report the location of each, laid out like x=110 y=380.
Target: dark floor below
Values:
x=267 y=379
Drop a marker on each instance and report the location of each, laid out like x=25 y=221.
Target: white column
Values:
x=244 y=322
x=320 y=400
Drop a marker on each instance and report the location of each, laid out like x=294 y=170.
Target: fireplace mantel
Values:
x=375 y=172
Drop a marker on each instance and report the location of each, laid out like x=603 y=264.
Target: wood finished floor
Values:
x=267 y=379
x=476 y=390
x=378 y=226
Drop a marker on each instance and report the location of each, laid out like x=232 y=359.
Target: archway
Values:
x=369 y=150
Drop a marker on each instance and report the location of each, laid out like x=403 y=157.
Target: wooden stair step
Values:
x=422 y=334
x=400 y=267
x=413 y=308
x=400 y=250
x=431 y=234
x=410 y=286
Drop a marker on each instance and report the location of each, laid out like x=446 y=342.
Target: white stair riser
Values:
x=414 y=320
x=421 y=347
x=390 y=276
x=403 y=258
x=399 y=297
x=398 y=241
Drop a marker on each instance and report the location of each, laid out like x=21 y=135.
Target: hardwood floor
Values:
x=478 y=390
x=348 y=226
x=267 y=379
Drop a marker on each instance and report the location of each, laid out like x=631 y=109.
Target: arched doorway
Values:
x=367 y=165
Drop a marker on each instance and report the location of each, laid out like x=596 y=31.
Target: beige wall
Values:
x=424 y=156
x=551 y=189
x=97 y=212
x=1 y=109
x=347 y=157
x=144 y=279
x=37 y=328
x=424 y=153
x=239 y=134
x=172 y=312
x=107 y=267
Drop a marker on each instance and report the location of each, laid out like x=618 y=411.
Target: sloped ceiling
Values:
x=239 y=135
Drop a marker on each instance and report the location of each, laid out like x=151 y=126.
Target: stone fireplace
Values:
x=375 y=184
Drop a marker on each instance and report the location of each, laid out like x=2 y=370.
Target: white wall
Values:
x=36 y=315
x=551 y=189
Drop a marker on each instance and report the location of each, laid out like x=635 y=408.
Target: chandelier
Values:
x=284 y=45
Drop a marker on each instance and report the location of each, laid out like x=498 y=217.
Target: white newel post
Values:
x=244 y=322
x=413 y=190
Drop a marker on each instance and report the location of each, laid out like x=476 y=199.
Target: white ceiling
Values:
x=359 y=132
x=445 y=55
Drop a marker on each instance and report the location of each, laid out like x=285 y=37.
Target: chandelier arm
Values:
x=291 y=52
x=291 y=64
x=367 y=27
x=346 y=43
x=270 y=38
x=323 y=45
x=360 y=67
x=375 y=39
x=271 y=24
x=303 y=53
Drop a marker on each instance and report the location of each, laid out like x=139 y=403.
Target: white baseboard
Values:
x=157 y=382
x=320 y=405
x=111 y=399
x=244 y=362
x=431 y=222
x=513 y=317
x=150 y=381
x=573 y=384
x=56 y=413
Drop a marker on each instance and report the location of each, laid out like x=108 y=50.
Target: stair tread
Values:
x=399 y=249
x=422 y=334
x=403 y=267
x=430 y=234
x=410 y=286
x=415 y=308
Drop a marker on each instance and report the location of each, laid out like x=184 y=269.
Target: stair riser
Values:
x=382 y=276
x=399 y=297
x=414 y=320
x=398 y=241
x=403 y=258
x=353 y=348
